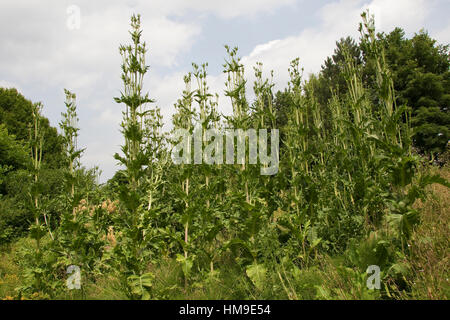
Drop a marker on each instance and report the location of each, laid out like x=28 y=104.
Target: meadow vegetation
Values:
x=357 y=186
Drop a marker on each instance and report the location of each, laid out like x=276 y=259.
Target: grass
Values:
x=10 y=272
x=430 y=246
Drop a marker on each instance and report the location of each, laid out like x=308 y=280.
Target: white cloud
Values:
x=338 y=19
x=223 y=9
x=408 y=14
x=442 y=36
x=77 y=58
x=233 y=8
x=166 y=90
x=9 y=85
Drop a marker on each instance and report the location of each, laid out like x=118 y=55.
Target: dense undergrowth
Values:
x=327 y=276
x=349 y=193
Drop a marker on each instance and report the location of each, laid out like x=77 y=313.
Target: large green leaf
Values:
x=257 y=273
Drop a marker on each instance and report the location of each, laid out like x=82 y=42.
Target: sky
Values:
x=46 y=46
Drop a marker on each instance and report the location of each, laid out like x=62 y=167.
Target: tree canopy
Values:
x=421 y=77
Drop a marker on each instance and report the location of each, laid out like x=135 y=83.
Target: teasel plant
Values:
x=297 y=136
x=184 y=119
x=69 y=127
x=205 y=112
x=209 y=222
x=263 y=108
x=296 y=133
x=71 y=219
x=295 y=216
x=134 y=69
x=77 y=239
x=249 y=208
x=235 y=89
x=265 y=117
x=208 y=116
x=36 y=140
x=157 y=155
x=240 y=119
x=132 y=255
x=390 y=133
x=264 y=113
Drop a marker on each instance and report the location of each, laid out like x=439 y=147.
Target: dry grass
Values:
x=430 y=243
x=9 y=275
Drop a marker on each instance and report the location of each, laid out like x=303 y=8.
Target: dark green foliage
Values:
x=421 y=70
x=13 y=153
x=432 y=129
x=15 y=114
x=16 y=166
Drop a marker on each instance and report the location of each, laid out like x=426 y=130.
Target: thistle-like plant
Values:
x=183 y=119
x=134 y=69
x=69 y=127
x=36 y=140
x=74 y=239
x=132 y=255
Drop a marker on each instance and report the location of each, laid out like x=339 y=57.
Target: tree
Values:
x=17 y=169
x=13 y=155
x=13 y=158
x=16 y=115
x=332 y=78
x=421 y=76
